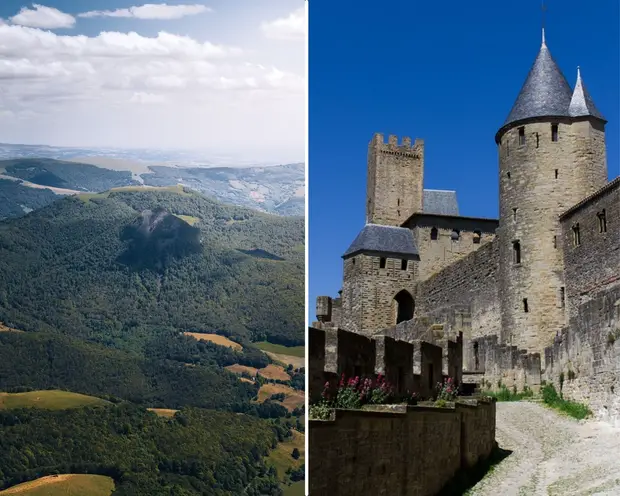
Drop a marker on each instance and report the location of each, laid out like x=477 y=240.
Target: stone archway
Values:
x=404 y=306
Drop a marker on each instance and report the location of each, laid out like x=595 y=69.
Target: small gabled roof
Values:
x=389 y=240
x=582 y=104
x=440 y=202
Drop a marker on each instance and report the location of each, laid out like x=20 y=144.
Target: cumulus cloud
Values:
x=292 y=27
x=133 y=90
x=151 y=11
x=44 y=17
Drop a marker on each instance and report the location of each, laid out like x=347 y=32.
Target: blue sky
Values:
x=447 y=72
x=206 y=74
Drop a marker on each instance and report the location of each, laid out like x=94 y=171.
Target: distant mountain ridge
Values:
x=278 y=189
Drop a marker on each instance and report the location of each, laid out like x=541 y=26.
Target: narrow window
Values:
x=382 y=263
x=521 y=136
x=434 y=233
x=353 y=261
x=556 y=173
x=455 y=235
x=508 y=175
x=554 y=132
x=562 y=297
x=514 y=214
x=398 y=204
x=477 y=236
x=403 y=265
x=526 y=308
x=516 y=252
x=398 y=211
x=555 y=242
x=476 y=357
x=602 y=222
x=537 y=140
x=576 y=235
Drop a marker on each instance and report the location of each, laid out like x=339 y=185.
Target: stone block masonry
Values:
x=415 y=452
x=395 y=180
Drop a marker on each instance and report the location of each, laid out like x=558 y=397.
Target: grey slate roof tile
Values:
x=384 y=239
x=581 y=103
x=440 y=202
x=545 y=93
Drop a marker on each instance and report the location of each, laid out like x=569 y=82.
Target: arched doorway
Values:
x=404 y=306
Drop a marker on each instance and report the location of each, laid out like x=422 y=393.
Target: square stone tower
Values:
x=395 y=180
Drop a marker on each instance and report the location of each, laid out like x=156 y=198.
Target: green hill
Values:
x=121 y=267
x=66 y=175
x=64 y=485
x=49 y=400
x=17 y=200
x=195 y=452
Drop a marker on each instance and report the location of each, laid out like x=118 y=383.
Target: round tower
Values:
x=551 y=156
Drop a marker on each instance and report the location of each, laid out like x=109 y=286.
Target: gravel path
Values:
x=552 y=455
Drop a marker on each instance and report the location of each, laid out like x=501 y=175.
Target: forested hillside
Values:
x=120 y=267
x=196 y=452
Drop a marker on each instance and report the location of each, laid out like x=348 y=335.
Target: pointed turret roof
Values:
x=545 y=93
x=581 y=104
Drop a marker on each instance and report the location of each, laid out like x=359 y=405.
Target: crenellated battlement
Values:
x=394 y=145
x=415 y=366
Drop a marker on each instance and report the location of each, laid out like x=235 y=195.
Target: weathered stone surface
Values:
x=415 y=452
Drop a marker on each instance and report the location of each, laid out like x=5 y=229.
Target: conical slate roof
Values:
x=581 y=103
x=545 y=93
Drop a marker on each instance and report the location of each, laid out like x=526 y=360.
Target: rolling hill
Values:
x=275 y=189
x=120 y=267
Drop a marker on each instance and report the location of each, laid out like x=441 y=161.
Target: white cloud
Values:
x=147 y=98
x=131 y=90
x=292 y=27
x=151 y=11
x=44 y=17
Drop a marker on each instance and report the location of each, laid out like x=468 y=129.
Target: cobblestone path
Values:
x=552 y=455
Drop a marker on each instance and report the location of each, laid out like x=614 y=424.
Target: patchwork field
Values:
x=240 y=369
x=4 y=328
x=49 y=400
x=296 y=362
x=163 y=412
x=274 y=372
x=293 y=398
x=295 y=489
x=297 y=351
x=271 y=371
x=281 y=457
x=189 y=219
x=215 y=338
x=64 y=485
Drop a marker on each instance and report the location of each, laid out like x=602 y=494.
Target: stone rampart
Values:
x=411 y=453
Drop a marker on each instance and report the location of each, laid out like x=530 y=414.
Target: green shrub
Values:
x=572 y=408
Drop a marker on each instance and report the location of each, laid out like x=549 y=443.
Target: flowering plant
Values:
x=448 y=390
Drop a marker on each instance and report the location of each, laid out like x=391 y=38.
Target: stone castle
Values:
x=531 y=296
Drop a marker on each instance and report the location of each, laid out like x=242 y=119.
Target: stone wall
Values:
x=369 y=291
x=395 y=180
x=505 y=365
x=540 y=179
x=414 y=453
x=414 y=366
x=464 y=297
x=586 y=354
x=437 y=254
